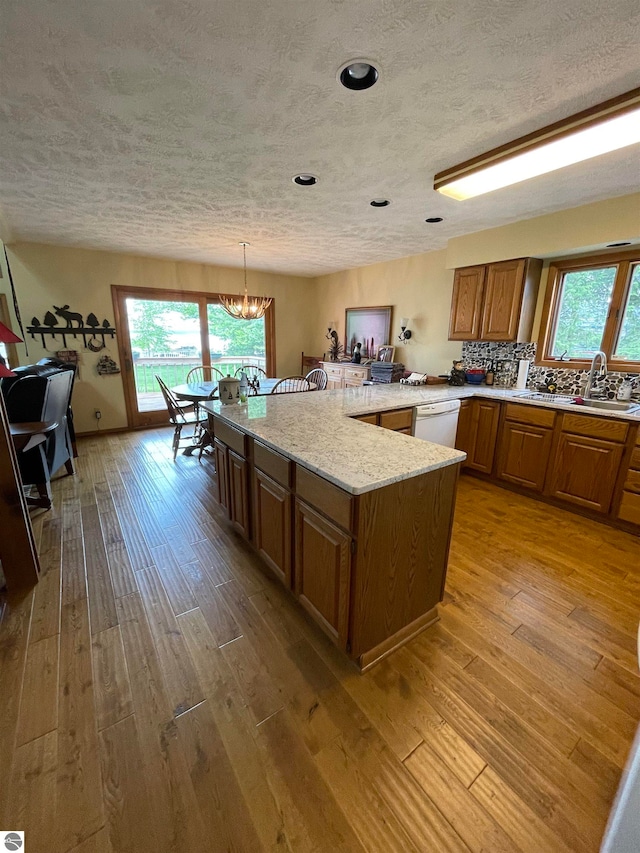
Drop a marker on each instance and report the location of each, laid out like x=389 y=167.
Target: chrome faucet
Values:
x=602 y=357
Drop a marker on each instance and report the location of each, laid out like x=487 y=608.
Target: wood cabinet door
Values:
x=222 y=474
x=323 y=572
x=272 y=525
x=334 y=384
x=503 y=293
x=523 y=455
x=584 y=471
x=350 y=382
x=463 y=434
x=238 y=492
x=466 y=304
x=484 y=432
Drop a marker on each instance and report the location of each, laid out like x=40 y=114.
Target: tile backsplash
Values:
x=568 y=380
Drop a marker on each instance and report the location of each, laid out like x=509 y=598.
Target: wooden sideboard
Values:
x=345 y=374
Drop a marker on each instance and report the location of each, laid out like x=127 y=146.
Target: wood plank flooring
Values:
x=161 y=693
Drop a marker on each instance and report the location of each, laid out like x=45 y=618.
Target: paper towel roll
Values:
x=523 y=373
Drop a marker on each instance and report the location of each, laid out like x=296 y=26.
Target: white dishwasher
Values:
x=437 y=422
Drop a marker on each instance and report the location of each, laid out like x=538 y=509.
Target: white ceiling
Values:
x=173 y=127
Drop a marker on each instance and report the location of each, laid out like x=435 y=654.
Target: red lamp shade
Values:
x=4 y=371
x=7 y=336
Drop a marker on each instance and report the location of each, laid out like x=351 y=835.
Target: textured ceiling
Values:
x=173 y=127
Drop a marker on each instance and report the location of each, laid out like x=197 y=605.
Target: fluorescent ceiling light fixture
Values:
x=608 y=127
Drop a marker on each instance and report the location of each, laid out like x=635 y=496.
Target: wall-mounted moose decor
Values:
x=92 y=332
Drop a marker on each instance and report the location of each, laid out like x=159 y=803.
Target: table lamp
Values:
x=7 y=337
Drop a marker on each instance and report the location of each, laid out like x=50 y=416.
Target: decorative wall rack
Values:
x=92 y=332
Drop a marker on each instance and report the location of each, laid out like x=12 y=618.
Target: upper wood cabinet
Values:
x=495 y=302
x=466 y=304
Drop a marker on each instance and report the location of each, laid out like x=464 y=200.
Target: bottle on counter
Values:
x=489 y=377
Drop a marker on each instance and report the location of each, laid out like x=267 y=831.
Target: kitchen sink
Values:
x=611 y=405
x=546 y=398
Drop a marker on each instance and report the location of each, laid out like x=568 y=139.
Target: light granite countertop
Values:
x=316 y=430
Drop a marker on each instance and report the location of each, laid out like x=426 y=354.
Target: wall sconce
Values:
x=331 y=329
x=607 y=127
x=405 y=334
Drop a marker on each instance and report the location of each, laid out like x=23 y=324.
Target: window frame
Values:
x=624 y=261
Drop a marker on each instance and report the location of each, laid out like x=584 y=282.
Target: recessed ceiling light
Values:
x=615 y=245
x=434 y=219
x=380 y=202
x=358 y=74
x=305 y=179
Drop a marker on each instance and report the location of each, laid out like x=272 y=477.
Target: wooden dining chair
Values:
x=252 y=371
x=318 y=377
x=180 y=414
x=204 y=373
x=291 y=385
x=309 y=362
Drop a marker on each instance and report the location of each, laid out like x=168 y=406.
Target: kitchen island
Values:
x=355 y=521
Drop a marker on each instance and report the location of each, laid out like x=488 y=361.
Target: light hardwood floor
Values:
x=161 y=693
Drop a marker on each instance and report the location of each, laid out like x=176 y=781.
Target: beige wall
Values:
x=46 y=275
x=578 y=229
x=418 y=287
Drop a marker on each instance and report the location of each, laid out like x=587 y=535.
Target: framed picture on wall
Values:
x=369 y=327
x=385 y=353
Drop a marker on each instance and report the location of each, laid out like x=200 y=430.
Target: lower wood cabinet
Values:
x=239 y=492
x=323 y=571
x=272 y=525
x=485 y=416
x=585 y=471
x=222 y=474
x=463 y=433
x=523 y=454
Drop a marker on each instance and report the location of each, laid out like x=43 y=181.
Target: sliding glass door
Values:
x=164 y=333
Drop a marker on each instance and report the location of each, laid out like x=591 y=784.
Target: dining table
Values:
x=197 y=392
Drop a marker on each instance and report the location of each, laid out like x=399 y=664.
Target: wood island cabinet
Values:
x=323 y=571
x=222 y=474
x=272 y=525
x=369 y=568
x=272 y=508
x=239 y=493
x=495 y=302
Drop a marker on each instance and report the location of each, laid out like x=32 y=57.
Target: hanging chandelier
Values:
x=245 y=307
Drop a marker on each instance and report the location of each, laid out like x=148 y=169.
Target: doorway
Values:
x=166 y=333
